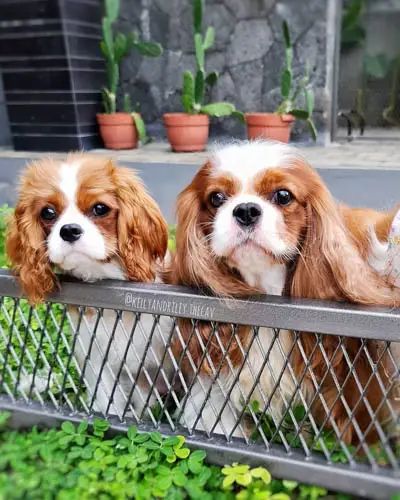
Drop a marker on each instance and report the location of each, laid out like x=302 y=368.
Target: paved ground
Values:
x=360 y=174
x=359 y=154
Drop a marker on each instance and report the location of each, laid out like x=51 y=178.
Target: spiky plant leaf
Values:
x=198 y=45
x=212 y=78
x=218 y=109
x=149 y=49
x=286 y=83
x=309 y=98
x=188 y=92
x=120 y=46
x=209 y=38
x=199 y=87
x=198 y=15
x=239 y=116
x=289 y=58
x=112 y=72
x=127 y=104
x=286 y=35
x=140 y=127
x=108 y=37
x=109 y=100
x=301 y=114
x=112 y=9
x=103 y=48
x=312 y=128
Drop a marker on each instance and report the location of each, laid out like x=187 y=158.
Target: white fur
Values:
x=249 y=252
x=378 y=254
x=84 y=259
x=75 y=257
x=244 y=160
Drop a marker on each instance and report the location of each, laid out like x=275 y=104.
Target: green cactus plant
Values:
x=195 y=87
x=114 y=47
x=290 y=91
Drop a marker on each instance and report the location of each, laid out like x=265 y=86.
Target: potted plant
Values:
x=189 y=131
x=120 y=130
x=278 y=125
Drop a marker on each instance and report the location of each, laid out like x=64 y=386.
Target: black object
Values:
x=53 y=72
x=71 y=232
x=247 y=214
x=352 y=118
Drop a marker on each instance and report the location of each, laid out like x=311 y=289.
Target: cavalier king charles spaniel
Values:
x=91 y=219
x=255 y=219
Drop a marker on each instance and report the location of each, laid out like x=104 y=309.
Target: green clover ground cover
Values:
x=82 y=462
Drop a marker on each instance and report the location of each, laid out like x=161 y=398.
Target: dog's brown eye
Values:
x=48 y=213
x=100 y=209
x=282 y=197
x=217 y=199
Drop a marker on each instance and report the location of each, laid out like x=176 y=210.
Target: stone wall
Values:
x=248 y=54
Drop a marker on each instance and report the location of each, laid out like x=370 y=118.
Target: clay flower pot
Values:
x=185 y=132
x=117 y=130
x=269 y=126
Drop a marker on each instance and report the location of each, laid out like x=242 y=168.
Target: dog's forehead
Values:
x=247 y=162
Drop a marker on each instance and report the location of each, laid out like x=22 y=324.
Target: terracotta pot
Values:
x=269 y=126
x=117 y=130
x=187 y=133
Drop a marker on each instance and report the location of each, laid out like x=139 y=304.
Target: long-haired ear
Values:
x=194 y=263
x=142 y=230
x=330 y=265
x=27 y=252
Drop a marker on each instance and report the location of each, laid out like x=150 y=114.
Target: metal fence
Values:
x=220 y=372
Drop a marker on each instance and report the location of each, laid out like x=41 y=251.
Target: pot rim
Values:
x=286 y=117
x=181 y=119
x=119 y=118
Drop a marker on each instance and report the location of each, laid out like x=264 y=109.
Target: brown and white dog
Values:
x=255 y=219
x=91 y=219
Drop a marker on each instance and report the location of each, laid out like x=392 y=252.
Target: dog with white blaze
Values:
x=91 y=219
x=258 y=219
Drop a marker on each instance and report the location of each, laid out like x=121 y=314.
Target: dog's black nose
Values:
x=247 y=214
x=71 y=232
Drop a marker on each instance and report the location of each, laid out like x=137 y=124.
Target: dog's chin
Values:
x=250 y=249
x=77 y=263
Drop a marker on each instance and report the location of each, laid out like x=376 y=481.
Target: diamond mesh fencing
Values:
x=311 y=402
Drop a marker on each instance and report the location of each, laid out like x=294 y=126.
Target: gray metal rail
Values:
x=362 y=475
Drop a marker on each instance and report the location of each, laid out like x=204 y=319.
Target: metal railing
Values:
x=220 y=372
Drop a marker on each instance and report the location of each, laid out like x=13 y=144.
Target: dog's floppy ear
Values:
x=26 y=249
x=331 y=265
x=142 y=230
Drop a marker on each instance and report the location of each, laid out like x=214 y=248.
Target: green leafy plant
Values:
x=140 y=126
x=290 y=91
x=352 y=32
x=194 y=87
x=380 y=67
x=84 y=461
x=5 y=211
x=114 y=47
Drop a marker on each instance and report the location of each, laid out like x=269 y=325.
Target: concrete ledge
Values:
x=359 y=154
